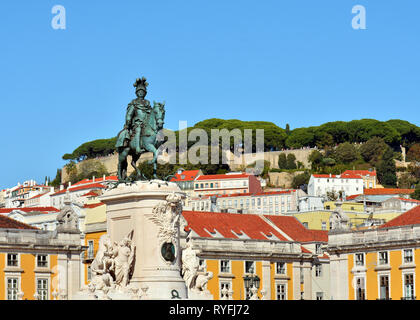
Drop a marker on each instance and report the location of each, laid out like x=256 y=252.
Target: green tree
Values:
x=372 y=150
x=57 y=180
x=413 y=153
x=301 y=137
x=416 y=194
x=71 y=170
x=291 y=161
x=409 y=132
x=386 y=170
x=282 y=161
x=315 y=158
x=346 y=153
x=91 y=168
x=406 y=180
x=301 y=180
x=287 y=129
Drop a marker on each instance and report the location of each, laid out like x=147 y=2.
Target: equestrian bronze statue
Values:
x=139 y=135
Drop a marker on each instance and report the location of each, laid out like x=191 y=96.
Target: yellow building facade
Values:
x=29 y=274
x=378 y=263
x=38 y=264
x=235 y=279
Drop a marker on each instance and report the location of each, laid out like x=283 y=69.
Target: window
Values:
x=253 y=202
x=383 y=257
x=409 y=287
x=90 y=249
x=384 y=287
x=360 y=259
x=408 y=255
x=224 y=285
x=318 y=248
x=319 y=295
x=224 y=266
x=360 y=288
x=12 y=288
x=259 y=202
x=89 y=273
x=305 y=224
x=281 y=267
x=42 y=261
x=323 y=225
x=42 y=289
x=327 y=207
x=249 y=267
x=196 y=185
x=211 y=185
x=281 y=293
x=12 y=260
x=318 y=270
x=302 y=278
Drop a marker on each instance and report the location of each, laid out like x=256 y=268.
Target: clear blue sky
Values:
x=297 y=62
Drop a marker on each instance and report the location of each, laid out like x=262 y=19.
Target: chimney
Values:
x=51 y=189
x=93 y=179
x=330 y=175
x=69 y=184
x=103 y=178
x=61 y=187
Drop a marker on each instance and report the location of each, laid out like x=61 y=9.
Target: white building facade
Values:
x=349 y=184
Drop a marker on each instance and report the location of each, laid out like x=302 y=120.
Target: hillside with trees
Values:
x=356 y=144
x=393 y=132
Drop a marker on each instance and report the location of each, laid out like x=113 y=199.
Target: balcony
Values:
x=408 y=298
x=88 y=255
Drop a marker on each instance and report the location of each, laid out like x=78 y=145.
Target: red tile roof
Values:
x=38 y=196
x=249 y=224
x=8 y=223
x=86 y=181
x=83 y=187
x=407 y=218
x=93 y=205
x=361 y=172
x=352 y=197
x=409 y=200
x=31 y=209
x=342 y=176
x=223 y=176
x=90 y=194
x=189 y=175
x=294 y=229
x=386 y=191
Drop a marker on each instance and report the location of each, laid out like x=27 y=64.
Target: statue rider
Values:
x=138 y=111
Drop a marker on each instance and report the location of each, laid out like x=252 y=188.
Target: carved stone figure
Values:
x=195 y=277
x=68 y=220
x=190 y=264
x=139 y=135
x=202 y=279
x=113 y=264
x=124 y=262
x=103 y=264
x=166 y=217
x=338 y=219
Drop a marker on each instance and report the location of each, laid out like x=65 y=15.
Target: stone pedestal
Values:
x=142 y=212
